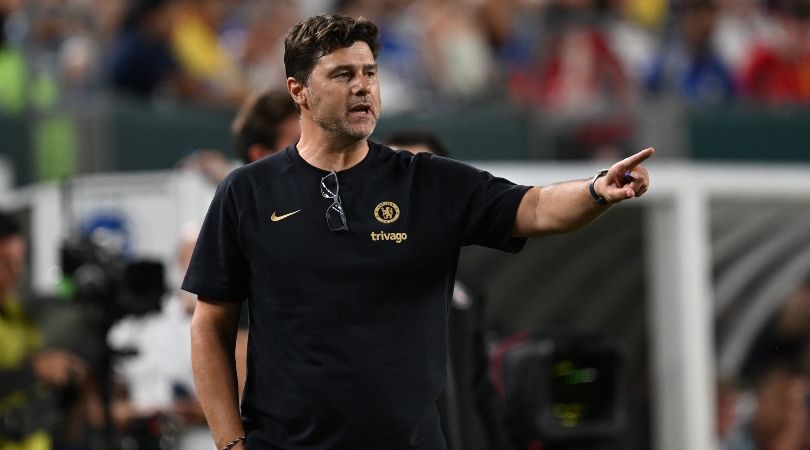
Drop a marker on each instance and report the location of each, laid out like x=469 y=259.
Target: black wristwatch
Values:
x=598 y=198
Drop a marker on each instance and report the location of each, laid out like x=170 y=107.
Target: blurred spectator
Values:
x=266 y=123
x=158 y=379
x=688 y=64
x=580 y=84
x=26 y=369
x=142 y=62
x=742 y=25
x=781 y=73
x=777 y=367
x=575 y=70
x=195 y=40
x=63 y=69
x=780 y=419
x=634 y=34
x=262 y=46
x=457 y=55
x=63 y=42
x=512 y=27
x=785 y=336
x=108 y=16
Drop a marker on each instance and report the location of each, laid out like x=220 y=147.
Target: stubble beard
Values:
x=340 y=127
x=343 y=130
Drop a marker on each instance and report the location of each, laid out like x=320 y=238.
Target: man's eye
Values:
x=342 y=75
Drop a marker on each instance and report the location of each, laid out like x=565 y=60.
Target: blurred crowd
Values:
x=590 y=72
x=574 y=56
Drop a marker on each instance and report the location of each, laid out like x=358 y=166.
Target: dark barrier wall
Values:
x=482 y=132
x=148 y=136
x=752 y=134
x=132 y=135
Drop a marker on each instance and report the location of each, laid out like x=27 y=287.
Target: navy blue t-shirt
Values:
x=348 y=329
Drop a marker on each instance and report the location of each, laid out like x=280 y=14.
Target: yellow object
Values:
x=19 y=340
x=19 y=337
x=197 y=47
x=37 y=441
x=648 y=13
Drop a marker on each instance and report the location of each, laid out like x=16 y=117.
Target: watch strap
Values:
x=598 y=198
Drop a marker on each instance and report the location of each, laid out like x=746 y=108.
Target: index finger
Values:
x=638 y=158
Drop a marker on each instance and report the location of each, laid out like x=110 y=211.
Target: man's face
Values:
x=343 y=92
x=12 y=257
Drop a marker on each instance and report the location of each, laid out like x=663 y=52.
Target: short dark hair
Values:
x=258 y=120
x=407 y=138
x=320 y=35
x=8 y=226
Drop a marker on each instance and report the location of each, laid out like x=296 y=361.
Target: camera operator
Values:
x=27 y=370
x=160 y=399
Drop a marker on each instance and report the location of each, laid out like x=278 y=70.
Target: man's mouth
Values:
x=360 y=109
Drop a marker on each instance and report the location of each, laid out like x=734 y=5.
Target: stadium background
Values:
x=535 y=90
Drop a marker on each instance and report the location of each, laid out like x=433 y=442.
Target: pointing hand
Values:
x=625 y=179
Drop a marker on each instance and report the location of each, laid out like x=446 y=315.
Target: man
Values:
x=347 y=251
x=469 y=406
x=266 y=123
x=26 y=370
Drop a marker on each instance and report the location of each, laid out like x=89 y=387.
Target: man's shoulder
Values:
x=385 y=152
x=403 y=157
x=258 y=171
x=276 y=162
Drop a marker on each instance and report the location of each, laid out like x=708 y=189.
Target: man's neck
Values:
x=326 y=151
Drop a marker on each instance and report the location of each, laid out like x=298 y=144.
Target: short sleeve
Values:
x=483 y=206
x=219 y=269
x=490 y=216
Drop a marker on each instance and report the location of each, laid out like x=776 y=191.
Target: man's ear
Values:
x=296 y=89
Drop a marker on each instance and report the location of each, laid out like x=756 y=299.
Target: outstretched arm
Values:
x=568 y=206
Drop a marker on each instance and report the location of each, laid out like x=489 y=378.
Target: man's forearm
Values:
x=557 y=208
x=571 y=205
x=568 y=206
x=212 y=357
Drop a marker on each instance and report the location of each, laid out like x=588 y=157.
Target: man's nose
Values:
x=362 y=85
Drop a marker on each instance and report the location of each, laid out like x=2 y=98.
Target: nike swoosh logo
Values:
x=276 y=218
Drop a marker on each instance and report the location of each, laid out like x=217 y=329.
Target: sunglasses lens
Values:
x=335 y=218
x=329 y=185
